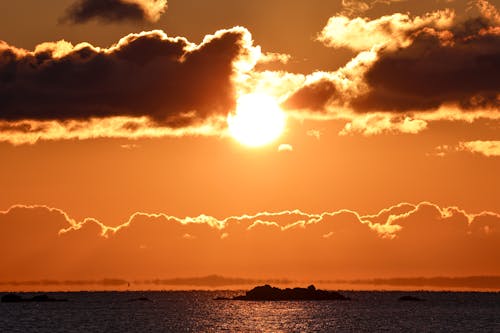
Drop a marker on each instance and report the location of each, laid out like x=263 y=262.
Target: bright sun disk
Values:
x=258 y=120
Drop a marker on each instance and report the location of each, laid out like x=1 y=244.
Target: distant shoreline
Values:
x=216 y=282
x=373 y=290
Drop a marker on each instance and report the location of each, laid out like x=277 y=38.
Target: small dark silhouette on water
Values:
x=14 y=298
x=409 y=298
x=268 y=293
x=140 y=299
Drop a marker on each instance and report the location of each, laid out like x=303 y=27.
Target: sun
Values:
x=257 y=121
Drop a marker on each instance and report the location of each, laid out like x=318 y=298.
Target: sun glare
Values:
x=257 y=121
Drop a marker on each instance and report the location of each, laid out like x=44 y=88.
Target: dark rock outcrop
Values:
x=11 y=298
x=409 y=298
x=268 y=293
x=14 y=298
x=140 y=299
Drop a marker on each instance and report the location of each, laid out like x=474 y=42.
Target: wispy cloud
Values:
x=358 y=7
x=488 y=148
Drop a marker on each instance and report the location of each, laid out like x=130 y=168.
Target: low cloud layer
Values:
x=108 y=11
x=209 y=281
x=42 y=243
x=217 y=281
x=468 y=282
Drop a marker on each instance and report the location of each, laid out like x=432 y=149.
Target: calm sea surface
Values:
x=198 y=312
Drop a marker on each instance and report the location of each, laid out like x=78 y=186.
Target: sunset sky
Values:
x=319 y=140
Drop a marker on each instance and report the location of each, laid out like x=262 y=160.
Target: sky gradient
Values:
x=118 y=164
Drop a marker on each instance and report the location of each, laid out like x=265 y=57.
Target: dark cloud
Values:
x=462 y=70
x=83 y=11
x=169 y=80
x=411 y=63
x=314 y=96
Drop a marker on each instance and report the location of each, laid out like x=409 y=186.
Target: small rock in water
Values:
x=409 y=298
x=268 y=293
x=11 y=298
x=140 y=299
x=14 y=298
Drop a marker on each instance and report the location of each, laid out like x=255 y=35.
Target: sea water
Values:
x=197 y=311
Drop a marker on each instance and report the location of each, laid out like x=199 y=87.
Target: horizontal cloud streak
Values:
x=217 y=281
x=203 y=281
x=468 y=282
x=488 y=148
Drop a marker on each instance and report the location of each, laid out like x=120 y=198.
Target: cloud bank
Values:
x=109 y=11
x=42 y=243
x=148 y=84
x=409 y=70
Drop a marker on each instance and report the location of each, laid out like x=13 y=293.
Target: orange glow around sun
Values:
x=257 y=121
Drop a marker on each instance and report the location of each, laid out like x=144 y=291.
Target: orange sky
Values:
x=392 y=141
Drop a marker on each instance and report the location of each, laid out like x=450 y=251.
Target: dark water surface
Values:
x=196 y=311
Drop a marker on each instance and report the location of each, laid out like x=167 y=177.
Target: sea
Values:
x=197 y=311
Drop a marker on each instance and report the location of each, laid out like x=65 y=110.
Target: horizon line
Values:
x=470 y=282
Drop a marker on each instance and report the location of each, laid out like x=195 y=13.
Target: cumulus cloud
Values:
x=433 y=72
x=108 y=11
x=43 y=243
x=391 y=31
x=409 y=71
x=148 y=84
x=486 y=148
